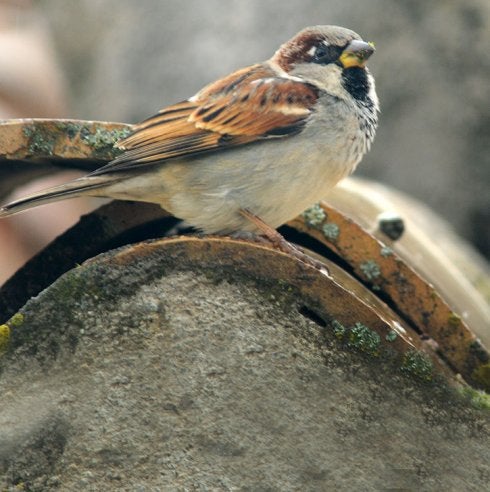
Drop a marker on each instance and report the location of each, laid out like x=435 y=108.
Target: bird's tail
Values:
x=81 y=186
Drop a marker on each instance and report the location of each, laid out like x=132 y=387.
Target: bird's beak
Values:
x=356 y=54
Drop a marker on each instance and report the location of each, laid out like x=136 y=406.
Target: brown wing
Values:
x=250 y=104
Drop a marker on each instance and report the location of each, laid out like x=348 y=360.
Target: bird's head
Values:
x=330 y=57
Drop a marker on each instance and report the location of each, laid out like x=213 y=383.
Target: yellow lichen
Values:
x=477 y=398
x=16 y=320
x=454 y=319
x=4 y=337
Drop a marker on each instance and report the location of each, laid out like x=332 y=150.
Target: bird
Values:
x=251 y=150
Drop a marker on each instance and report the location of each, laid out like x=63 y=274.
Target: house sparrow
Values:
x=253 y=149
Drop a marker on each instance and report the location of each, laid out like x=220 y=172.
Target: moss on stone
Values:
x=364 y=339
x=478 y=399
x=339 y=330
x=4 y=337
x=418 y=364
x=16 y=320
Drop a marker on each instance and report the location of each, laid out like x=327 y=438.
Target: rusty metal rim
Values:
x=387 y=274
x=59 y=139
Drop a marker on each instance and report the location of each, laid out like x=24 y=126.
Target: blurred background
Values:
x=121 y=60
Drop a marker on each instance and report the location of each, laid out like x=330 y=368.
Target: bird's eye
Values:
x=326 y=53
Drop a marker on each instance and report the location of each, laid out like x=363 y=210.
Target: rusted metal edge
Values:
x=33 y=148
x=53 y=139
x=427 y=243
x=110 y=226
x=410 y=295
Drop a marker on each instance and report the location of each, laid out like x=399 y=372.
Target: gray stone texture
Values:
x=141 y=376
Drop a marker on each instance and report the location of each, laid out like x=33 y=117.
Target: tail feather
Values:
x=72 y=189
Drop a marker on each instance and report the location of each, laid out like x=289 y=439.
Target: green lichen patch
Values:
x=370 y=269
x=70 y=286
x=68 y=128
x=40 y=140
x=339 y=330
x=314 y=216
x=391 y=336
x=418 y=364
x=364 y=339
x=386 y=251
x=358 y=337
x=331 y=231
x=103 y=140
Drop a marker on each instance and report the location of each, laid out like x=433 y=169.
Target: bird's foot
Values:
x=279 y=242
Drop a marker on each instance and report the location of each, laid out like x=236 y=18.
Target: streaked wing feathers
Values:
x=249 y=105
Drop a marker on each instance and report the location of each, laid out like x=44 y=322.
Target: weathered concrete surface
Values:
x=144 y=376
